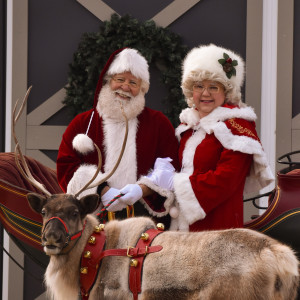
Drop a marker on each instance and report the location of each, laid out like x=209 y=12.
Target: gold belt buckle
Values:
x=128 y=249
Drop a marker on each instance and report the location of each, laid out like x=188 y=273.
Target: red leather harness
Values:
x=94 y=252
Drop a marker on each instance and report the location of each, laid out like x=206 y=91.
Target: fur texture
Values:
x=226 y=264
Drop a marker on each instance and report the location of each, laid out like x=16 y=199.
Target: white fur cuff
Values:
x=161 y=191
x=189 y=206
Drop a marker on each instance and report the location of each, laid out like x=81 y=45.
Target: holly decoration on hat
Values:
x=228 y=65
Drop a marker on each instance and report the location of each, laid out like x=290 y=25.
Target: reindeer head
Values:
x=63 y=218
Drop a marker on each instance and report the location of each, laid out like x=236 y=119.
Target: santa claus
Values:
x=125 y=80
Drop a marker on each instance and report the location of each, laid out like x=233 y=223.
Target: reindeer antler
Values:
x=89 y=184
x=18 y=152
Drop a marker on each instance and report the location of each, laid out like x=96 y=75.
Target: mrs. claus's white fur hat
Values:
x=211 y=62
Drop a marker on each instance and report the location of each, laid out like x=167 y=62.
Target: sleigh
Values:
x=280 y=220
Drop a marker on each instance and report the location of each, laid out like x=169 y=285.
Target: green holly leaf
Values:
x=229 y=74
x=222 y=61
x=226 y=56
x=234 y=63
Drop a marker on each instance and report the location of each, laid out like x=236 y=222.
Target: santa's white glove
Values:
x=163 y=173
x=131 y=194
x=116 y=205
x=109 y=195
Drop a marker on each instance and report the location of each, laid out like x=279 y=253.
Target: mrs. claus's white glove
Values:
x=163 y=173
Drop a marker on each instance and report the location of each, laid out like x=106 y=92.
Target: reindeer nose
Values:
x=53 y=237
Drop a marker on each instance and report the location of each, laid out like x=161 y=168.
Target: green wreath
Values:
x=160 y=47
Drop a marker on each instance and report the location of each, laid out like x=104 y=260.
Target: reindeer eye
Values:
x=43 y=212
x=75 y=213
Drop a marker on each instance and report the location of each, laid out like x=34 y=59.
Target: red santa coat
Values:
x=221 y=158
x=151 y=135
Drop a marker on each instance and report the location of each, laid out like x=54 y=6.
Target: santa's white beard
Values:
x=109 y=107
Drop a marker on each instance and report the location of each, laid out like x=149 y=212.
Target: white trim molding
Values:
x=269 y=82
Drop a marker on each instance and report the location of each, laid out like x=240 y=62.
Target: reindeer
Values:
x=131 y=259
x=226 y=264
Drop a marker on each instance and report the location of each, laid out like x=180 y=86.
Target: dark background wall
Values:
x=55 y=30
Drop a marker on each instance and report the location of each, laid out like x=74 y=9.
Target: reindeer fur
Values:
x=226 y=264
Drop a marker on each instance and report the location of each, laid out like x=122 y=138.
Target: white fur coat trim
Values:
x=113 y=139
x=191 y=118
x=82 y=175
x=161 y=191
x=189 y=205
x=260 y=175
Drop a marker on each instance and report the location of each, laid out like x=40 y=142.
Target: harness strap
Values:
x=90 y=260
x=135 y=272
x=69 y=237
x=93 y=254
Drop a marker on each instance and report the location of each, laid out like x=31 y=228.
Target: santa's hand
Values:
x=117 y=205
x=130 y=194
x=109 y=195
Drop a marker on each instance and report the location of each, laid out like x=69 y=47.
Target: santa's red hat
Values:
x=120 y=61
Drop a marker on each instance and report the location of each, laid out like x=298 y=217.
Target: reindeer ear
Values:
x=89 y=203
x=36 y=201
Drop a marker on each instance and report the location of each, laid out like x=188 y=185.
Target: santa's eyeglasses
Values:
x=121 y=80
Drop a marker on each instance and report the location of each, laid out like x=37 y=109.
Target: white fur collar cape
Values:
x=228 y=124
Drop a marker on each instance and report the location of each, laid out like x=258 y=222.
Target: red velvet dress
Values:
x=216 y=155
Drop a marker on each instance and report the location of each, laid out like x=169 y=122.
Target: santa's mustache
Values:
x=122 y=94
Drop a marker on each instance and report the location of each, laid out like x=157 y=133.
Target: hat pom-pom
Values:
x=174 y=212
x=83 y=144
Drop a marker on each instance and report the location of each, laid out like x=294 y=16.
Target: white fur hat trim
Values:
x=83 y=144
x=130 y=60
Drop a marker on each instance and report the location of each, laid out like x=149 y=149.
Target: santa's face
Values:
x=110 y=101
x=127 y=83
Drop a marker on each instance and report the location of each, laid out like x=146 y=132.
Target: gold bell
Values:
x=133 y=263
x=87 y=254
x=84 y=270
x=160 y=226
x=92 y=240
x=99 y=228
x=145 y=236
